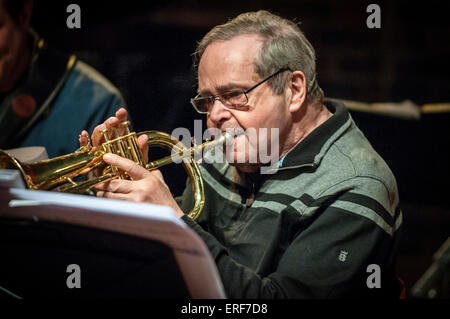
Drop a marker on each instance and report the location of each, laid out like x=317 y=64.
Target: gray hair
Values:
x=284 y=46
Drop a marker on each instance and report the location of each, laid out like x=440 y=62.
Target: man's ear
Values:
x=297 y=85
x=25 y=15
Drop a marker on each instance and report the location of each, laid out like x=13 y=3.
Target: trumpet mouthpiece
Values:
x=226 y=138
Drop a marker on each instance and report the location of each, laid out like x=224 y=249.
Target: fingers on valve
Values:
x=122 y=114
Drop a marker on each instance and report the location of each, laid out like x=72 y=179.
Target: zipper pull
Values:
x=249 y=200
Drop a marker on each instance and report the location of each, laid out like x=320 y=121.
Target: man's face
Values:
x=12 y=37
x=227 y=65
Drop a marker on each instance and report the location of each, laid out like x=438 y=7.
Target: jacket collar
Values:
x=310 y=151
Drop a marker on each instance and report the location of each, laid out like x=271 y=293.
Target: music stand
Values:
x=122 y=249
x=435 y=282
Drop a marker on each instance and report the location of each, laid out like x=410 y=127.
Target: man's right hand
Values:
x=98 y=139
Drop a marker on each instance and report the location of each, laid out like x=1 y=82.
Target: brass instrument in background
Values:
x=56 y=173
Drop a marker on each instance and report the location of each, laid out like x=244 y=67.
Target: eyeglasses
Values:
x=234 y=99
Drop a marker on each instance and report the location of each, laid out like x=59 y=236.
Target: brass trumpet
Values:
x=58 y=173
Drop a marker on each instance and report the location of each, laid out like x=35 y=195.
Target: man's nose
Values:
x=218 y=112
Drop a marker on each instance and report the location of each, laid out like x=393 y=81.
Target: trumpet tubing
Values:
x=58 y=173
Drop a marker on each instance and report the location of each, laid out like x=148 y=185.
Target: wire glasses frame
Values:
x=232 y=100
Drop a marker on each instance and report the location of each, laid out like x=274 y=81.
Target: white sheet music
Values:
x=112 y=206
x=11 y=178
x=139 y=219
x=29 y=154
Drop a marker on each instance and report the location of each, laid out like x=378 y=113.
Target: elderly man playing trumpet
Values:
x=325 y=223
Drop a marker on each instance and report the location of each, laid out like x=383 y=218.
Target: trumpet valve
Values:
x=105 y=134
x=126 y=125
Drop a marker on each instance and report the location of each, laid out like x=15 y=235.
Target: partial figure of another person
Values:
x=46 y=96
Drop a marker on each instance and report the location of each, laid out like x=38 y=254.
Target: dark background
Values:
x=145 y=48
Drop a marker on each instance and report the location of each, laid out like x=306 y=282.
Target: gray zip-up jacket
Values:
x=323 y=226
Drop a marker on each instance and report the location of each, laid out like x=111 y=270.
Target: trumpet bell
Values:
x=48 y=174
